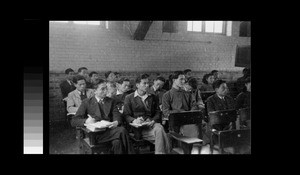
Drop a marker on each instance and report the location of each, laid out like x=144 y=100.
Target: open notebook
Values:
x=139 y=125
x=98 y=126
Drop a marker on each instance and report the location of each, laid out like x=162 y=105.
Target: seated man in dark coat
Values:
x=140 y=106
x=243 y=99
x=67 y=86
x=220 y=101
x=122 y=90
x=100 y=107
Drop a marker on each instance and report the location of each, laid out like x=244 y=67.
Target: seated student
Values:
x=140 y=106
x=243 y=99
x=156 y=89
x=122 y=91
x=240 y=82
x=207 y=80
x=220 y=101
x=111 y=89
x=80 y=93
x=177 y=100
x=100 y=107
x=187 y=73
x=83 y=71
x=67 y=86
x=168 y=83
x=94 y=79
x=216 y=74
x=191 y=87
x=111 y=76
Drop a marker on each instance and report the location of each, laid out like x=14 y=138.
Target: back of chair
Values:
x=244 y=114
x=184 y=118
x=222 y=117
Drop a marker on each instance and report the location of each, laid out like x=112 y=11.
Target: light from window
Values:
x=60 y=21
x=218 y=27
x=87 y=22
x=195 y=26
x=209 y=26
x=106 y=24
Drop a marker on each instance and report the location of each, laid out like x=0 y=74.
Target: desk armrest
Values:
x=185 y=139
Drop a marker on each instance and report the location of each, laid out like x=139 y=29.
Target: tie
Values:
x=83 y=96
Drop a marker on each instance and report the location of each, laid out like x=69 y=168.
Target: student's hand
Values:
x=163 y=122
x=138 y=120
x=113 y=124
x=90 y=120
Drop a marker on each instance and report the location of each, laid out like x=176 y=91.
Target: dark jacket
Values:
x=214 y=103
x=158 y=93
x=66 y=88
x=90 y=106
x=243 y=100
x=134 y=107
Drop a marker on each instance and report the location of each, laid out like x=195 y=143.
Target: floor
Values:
x=63 y=141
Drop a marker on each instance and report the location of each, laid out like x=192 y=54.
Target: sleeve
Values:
x=127 y=112
x=193 y=103
x=80 y=116
x=157 y=112
x=71 y=105
x=116 y=114
x=63 y=90
x=210 y=105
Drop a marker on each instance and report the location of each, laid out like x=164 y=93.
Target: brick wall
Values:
x=99 y=49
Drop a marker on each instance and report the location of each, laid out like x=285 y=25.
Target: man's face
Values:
x=124 y=87
x=70 y=75
x=111 y=77
x=222 y=90
x=158 y=84
x=187 y=87
x=94 y=78
x=143 y=85
x=101 y=91
x=84 y=73
x=180 y=81
x=188 y=74
x=111 y=91
x=210 y=79
x=80 y=85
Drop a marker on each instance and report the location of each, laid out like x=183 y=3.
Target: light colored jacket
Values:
x=74 y=100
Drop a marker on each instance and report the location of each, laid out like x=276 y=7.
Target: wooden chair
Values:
x=227 y=138
x=244 y=118
x=88 y=143
x=140 y=145
x=185 y=143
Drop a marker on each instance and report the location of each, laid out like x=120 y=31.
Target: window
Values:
x=87 y=22
x=215 y=27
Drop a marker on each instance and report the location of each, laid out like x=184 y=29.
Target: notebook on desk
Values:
x=98 y=126
x=139 y=125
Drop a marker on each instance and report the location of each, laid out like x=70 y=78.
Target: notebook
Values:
x=98 y=126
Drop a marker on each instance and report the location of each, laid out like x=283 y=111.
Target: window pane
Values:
x=93 y=22
x=209 y=26
x=106 y=24
x=228 y=29
x=197 y=26
x=218 y=27
x=190 y=25
x=79 y=22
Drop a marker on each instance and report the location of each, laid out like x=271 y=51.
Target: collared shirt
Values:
x=154 y=88
x=83 y=93
x=69 y=82
x=142 y=97
x=222 y=98
x=99 y=100
x=118 y=92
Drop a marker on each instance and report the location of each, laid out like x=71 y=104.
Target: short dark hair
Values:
x=161 y=79
x=214 y=71
x=247 y=80
x=217 y=83
x=107 y=73
x=176 y=74
x=101 y=81
x=92 y=73
x=187 y=70
x=246 y=71
x=192 y=82
x=82 y=68
x=204 y=79
x=139 y=78
x=68 y=70
x=77 y=78
x=121 y=80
